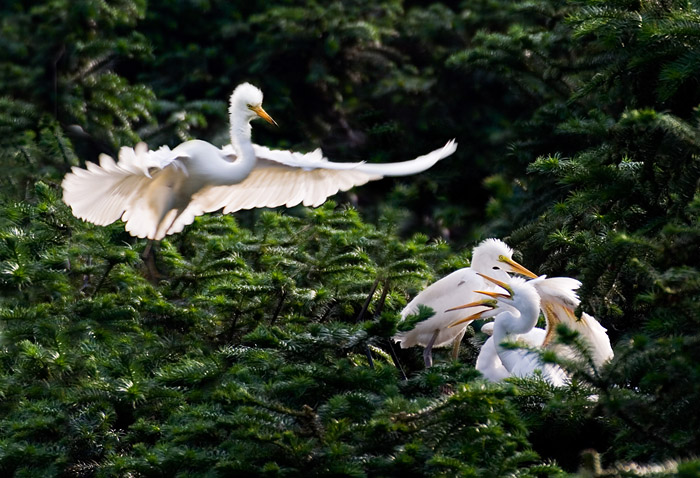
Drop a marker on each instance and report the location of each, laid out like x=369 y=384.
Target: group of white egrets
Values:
x=486 y=289
x=159 y=192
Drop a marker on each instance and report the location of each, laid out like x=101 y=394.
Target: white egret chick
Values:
x=159 y=192
x=517 y=318
x=492 y=257
x=558 y=301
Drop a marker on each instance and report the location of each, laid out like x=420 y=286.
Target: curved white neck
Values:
x=516 y=322
x=240 y=130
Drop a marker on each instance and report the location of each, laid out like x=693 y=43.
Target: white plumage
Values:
x=489 y=363
x=492 y=257
x=159 y=192
x=516 y=315
x=558 y=301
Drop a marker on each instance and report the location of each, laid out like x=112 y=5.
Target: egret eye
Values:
x=496 y=268
x=249 y=106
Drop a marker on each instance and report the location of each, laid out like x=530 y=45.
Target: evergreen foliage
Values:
x=620 y=208
x=247 y=358
x=263 y=346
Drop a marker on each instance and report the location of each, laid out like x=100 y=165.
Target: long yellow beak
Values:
x=467 y=319
x=494 y=294
x=490 y=303
x=499 y=284
x=478 y=303
x=263 y=114
x=517 y=268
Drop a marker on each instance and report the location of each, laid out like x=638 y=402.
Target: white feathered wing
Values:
x=286 y=178
x=139 y=188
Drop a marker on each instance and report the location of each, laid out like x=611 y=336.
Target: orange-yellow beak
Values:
x=494 y=294
x=499 y=284
x=477 y=303
x=263 y=114
x=517 y=268
x=490 y=303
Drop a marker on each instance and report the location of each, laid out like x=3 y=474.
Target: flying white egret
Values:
x=159 y=192
x=491 y=256
x=516 y=313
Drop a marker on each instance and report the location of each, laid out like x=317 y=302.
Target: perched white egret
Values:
x=491 y=256
x=159 y=192
x=558 y=302
x=516 y=313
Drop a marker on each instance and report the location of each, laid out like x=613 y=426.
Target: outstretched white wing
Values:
x=131 y=189
x=100 y=194
x=285 y=178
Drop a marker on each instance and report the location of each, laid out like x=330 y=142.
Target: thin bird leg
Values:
x=428 y=351
x=147 y=250
x=395 y=358
x=148 y=257
x=368 y=300
x=456 y=344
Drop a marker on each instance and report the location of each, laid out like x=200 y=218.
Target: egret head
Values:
x=495 y=258
x=523 y=294
x=246 y=100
